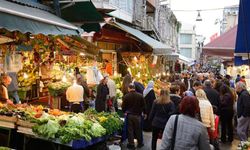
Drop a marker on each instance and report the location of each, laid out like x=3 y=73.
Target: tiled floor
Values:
x=147 y=142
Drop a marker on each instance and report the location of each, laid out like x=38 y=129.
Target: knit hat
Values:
x=188 y=93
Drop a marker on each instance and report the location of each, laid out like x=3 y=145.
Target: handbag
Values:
x=174 y=134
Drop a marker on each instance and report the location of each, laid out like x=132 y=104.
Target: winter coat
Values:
x=101 y=97
x=160 y=114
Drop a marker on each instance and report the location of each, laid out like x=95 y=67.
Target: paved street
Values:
x=147 y=142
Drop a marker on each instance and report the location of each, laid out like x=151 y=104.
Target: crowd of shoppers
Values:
x=199 y=107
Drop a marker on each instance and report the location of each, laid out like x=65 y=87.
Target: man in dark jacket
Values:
x=243 y=111
x=197 y=85
x=139 y=87
x=212 y=95
x=175 y=96
x=133 y=106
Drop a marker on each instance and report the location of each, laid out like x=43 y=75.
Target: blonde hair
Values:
x=164 y=97
x=201 y=95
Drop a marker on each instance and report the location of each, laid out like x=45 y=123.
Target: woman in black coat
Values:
x=149 y=97
x=102 y=96
x=162 y=109
x=226 y=113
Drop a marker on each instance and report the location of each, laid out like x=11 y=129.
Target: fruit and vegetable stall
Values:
x=74 y=130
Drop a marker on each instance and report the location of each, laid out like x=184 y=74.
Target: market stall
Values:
x=240 y=70
x=45 y=65
x=62 y=128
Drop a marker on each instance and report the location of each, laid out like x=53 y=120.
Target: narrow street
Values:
x=147 y=142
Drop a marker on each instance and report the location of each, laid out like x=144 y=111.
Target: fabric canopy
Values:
x=81 y=11
x=26 y=19
x=242 y=47
x=89 y=27
x=33 y=4
x=158 y=47
x=176 y=56
x=223 y=45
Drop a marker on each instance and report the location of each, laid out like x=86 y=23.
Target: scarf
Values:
x=148 y=88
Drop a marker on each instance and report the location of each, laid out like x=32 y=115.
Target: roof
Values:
x=158 y=47
x=33 y=4
x=27 y=19
x=223 y=45
x=80 y=11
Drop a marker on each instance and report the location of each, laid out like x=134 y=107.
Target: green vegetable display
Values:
x=70 y=127
x=48 y=129
x=58 y=88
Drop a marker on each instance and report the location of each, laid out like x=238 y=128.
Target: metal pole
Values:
x=57 y=7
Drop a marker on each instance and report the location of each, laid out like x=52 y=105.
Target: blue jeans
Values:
x=15 y=96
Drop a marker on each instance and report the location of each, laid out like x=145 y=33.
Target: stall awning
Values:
x=158 y=47
x=223 y=45
x=175 y=56
x=33 y=4
x=242 y=47
x=80 y=11
x=27 y=19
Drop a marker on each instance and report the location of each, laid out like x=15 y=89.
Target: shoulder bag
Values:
x=174 y=134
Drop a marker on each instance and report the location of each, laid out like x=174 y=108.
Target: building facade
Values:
x=187 y=41
x=167 y=26
x=149 y=16
x=230 y=18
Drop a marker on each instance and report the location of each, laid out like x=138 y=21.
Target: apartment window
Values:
x=187 y=52
x=186 y=38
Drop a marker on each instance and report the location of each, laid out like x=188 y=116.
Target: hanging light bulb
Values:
x=198 y=16
x=129 y=70
x=64 y=79
x=25 y=76
x=139 y=75
x=135 y=58
x=115 y=74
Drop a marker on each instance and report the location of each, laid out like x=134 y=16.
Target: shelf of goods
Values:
x=65 y=128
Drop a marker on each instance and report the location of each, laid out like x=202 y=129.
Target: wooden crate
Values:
x=26 y=124
x=8 y=119
x=5 y=124
x=24 y=130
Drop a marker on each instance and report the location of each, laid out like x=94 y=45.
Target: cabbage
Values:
x=97 y=130
x=47 y=130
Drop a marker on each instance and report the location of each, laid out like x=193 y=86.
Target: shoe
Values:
x=140 y=145
x=130 y=146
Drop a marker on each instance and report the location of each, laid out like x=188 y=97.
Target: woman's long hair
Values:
x=224 y=89
x=201 y=95
x=164 y=97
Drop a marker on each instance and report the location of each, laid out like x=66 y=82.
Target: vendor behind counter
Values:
x=5 y=81
x=13 y=88
x=74 y=95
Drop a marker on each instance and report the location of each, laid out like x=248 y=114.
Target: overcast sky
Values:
x=207 y=27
